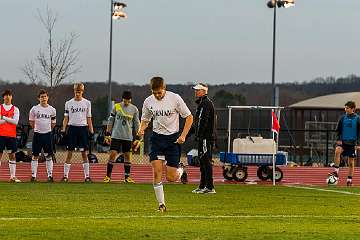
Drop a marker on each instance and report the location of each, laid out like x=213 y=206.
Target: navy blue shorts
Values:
x=164 y=145
x=77 y=137
x=9 y=143
x=42 y=141
x=348 y=150
x=120 y=145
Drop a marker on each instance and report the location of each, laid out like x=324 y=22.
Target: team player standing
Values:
x=78 y=125
x=124 y=117
x=42 y=118
x=9 y=118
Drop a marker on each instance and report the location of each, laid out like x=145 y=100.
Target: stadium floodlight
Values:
x=279 y=4
x=287 y=4
x=119 y=5
x=116 y=13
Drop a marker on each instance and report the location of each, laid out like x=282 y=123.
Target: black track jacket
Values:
x=205 y=119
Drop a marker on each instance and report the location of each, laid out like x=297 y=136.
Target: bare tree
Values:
x=57 y=61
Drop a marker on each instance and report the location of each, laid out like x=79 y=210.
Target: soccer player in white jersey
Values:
x=9 y=118
x=77 y=118
x=164 y=108
x=42 y=118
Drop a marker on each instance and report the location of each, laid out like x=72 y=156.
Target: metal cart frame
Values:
x=277 y=110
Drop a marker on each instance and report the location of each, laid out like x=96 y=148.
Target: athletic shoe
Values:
x=207 y=191
x=348 y=183
x=65 y=179
x=162 y=208
x=184 y=177
x=197 y=190
x=88 y=180
x=107 y=179
x=129 y=180
x=15 y=180
x=33 y=179
x=50 y=179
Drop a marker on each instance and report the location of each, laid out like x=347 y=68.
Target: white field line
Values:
x=323 y=190
x=179 y=217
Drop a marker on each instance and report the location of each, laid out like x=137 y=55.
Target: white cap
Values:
x=200 y=86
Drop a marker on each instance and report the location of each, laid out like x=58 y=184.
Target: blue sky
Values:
x=227 y=41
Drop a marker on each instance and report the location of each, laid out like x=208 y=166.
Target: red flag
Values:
x=275 y=123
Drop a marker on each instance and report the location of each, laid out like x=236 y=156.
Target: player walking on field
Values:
x=42 y=118
x=164 y=108
x=123 y=119
x=9 y=118
x=348 y=129
x=77 y=120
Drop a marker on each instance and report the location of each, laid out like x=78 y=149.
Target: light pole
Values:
x=273 y=4
x=116 y=12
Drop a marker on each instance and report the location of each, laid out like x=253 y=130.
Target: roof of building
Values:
x=332 y=101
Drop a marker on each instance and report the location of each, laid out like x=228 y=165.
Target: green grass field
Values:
x=120 y=211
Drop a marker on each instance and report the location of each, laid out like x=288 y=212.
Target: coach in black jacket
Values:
x=204 y=135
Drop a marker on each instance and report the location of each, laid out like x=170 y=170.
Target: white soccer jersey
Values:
x=165 y=112
x=78 y=111
x=42 y=117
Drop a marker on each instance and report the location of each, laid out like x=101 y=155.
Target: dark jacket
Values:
x=204 y=124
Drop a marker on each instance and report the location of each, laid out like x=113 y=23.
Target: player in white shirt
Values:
x=9 y=118
x=77 y=120
x=42 y=118
x=164 y=108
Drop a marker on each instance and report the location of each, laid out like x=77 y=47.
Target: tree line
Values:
x=25 y=95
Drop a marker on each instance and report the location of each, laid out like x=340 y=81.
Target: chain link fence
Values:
x=25 y=135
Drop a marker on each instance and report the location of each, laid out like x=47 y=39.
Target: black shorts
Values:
x=120 y=145
x=9 y=143
x=348 y=150
x=77 y=137
x=42 y=141
x=165 y=146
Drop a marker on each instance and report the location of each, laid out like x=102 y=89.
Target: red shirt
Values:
x=8 y=129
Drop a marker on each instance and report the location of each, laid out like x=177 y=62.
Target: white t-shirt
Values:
x=42 y=117
x=15 y=118
x=78 y=111
x=165 y=112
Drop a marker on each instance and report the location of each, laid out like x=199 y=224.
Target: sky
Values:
x=216 y=42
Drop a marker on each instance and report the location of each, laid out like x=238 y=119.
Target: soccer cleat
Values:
x=107 y=179
x=50 y=179
x=88 y=180
x=333 y=174
x=15 y=180
x=197 y=190
x=184 y=176
x=129 y=180
x=65 y=179
x=33 y=179
x=162 y=208
x=207 y=191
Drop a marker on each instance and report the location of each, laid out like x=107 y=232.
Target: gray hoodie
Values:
x=123 y=119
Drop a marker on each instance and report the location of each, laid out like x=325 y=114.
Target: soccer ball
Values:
x=332 y=180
